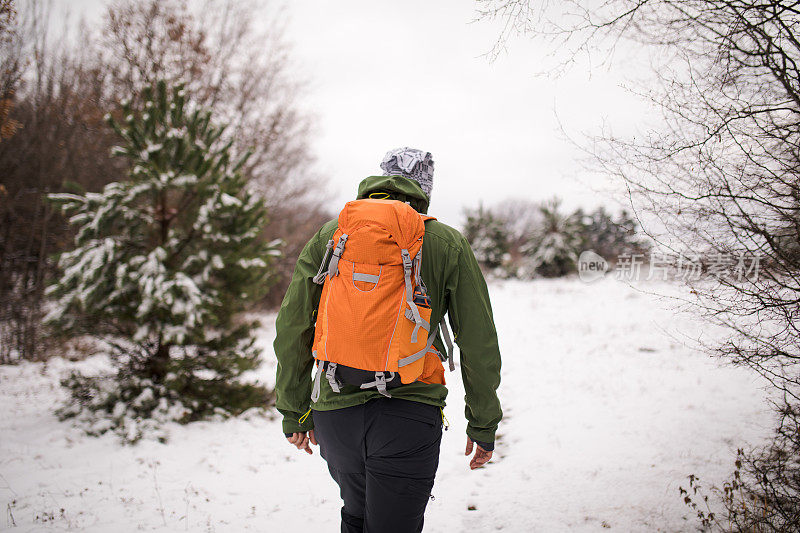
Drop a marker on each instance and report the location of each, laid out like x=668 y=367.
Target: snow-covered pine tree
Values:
x=164 y=263
x=487 y=236
x=554 y=247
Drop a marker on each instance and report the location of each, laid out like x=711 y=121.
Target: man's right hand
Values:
x=302 y=440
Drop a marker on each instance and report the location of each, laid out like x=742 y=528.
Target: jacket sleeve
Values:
x=473 y=326
x=294 y=337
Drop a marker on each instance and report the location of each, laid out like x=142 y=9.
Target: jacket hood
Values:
x=398 y=188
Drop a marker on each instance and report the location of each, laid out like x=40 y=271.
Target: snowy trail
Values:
x=607 y=412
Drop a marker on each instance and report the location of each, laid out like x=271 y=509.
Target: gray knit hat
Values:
x=411 y=163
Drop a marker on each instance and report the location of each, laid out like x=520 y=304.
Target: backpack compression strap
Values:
x=419 y=322
x=333 y=266
x=418 y=355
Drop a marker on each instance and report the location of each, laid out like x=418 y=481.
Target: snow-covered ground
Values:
x=607 y=410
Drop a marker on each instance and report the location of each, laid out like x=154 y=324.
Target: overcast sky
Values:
x=387 y=74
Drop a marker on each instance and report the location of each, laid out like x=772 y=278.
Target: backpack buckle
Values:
x=333 y=267
x=330 y=375
x=380 y=383
x=406 y=260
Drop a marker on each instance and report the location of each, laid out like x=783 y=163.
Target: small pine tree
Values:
x=554 y=247
x=163 y=265
x=488 y=237
x=611 y=237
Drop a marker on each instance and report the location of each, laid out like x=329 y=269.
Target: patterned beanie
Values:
x=411 y=163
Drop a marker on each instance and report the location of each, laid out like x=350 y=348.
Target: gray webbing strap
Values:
x=407 y=268
x=379 y=383
x=330 y=374
x=420 y=354
x=319 y=279
x=448 y=344
x=416 y=329
x=333 y=267
x=369 y=278
x=421 y=323
x=418 y=270
x=425 y=324
x=317 y=379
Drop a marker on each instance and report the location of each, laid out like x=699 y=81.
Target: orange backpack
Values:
x=374 y=312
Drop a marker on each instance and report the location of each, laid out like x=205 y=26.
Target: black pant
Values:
x=383 y=455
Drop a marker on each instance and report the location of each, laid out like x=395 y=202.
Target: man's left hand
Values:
x=481 y=456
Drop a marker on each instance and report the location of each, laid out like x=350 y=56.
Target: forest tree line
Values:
x=525 y=239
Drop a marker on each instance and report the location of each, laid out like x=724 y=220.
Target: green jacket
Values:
x=455 y=284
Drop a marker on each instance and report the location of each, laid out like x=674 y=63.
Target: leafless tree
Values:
x=9 y=70
x=61 y=138
x=719 y=176
x=230 y=66
x=242 y=73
